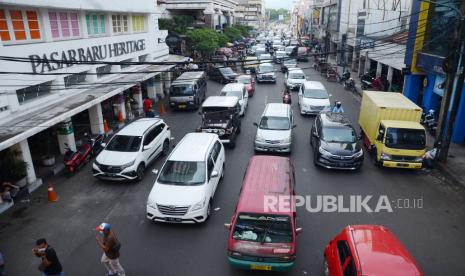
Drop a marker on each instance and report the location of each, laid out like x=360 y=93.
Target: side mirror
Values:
x=380 y=137
x=214 y=174
x=147 y=147
x=360 y=137
x=227 y=226
x=155 y=171
x=200 y=113
x=294 y=126
x=314 y=134
x=255 y=124
x=103 y=145
x=298 y=230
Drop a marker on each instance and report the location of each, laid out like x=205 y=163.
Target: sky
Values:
x=277 y=4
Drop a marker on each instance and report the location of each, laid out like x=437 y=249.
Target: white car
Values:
x=313 y=98
x=239 y=91
x=295 y=77
x=265 y=57
x=186 y=184
x=131 y=149
x=265 y=73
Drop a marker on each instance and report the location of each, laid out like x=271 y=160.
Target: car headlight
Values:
x=385 y=156
x=199 y=205
x=97 y=163
x=305 y=106
x=127 y=165
x=286 y=140
x=327 y=108
x=259 y=138
x=152 y=203
x=358 y=154
x=419 y=159
x=324 y=152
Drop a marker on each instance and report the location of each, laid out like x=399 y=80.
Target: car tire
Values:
x=315 y=157
x=325 y=267
x=140 y=172
x=222 y=172
x=166 y=148
x=374 y=159
x=209 y=209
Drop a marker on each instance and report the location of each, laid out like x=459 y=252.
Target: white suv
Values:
x=239 y=91
x=295 y=77
x=186 y=184
x=130 y=150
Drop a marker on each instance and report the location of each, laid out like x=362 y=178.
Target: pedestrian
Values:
x=147 y=104
x=50 y=265
x=110 y=247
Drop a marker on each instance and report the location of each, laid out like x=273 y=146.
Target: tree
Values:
x=244 y=29
x=233 y=33
x=204 y=40
x=178 y=24
x=275 y=13
x=222 y=39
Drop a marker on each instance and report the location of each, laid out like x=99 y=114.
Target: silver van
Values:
x=275 y=129
x=188 y=90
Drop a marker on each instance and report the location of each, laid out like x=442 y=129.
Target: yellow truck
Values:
x=391 y=130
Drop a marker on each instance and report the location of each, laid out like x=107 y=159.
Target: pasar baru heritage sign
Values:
x=66 y=58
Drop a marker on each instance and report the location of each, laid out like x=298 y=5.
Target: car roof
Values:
x=296 y=69
x=277 y=109
x=236 y=86
x=330 y=119
x=314 y=85
x=220 y=101
x=188 y=77
x=193 y=147
x=378 y=248
x=280 y=52
x=244 y=76
x=265 y=176
x=138 y=127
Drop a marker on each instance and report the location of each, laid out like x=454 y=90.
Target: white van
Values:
x=275 y=129
x=239 y=91
x=186 y=184
x=313 y=98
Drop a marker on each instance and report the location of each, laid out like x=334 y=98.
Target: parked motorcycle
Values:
x=350 y=85
x=95 y=142
x=345 y=76
x=429 y=121
x=74 y=159
x=367 y=81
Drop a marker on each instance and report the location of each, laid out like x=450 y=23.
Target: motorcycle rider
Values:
x=345 y=76
x=287 y=96
x=337 y=108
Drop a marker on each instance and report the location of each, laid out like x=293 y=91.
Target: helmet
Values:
x=338 y=104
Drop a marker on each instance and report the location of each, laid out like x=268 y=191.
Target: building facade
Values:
x=250 y=12
x=431 y=35
x=58 y=79
x=214 y=14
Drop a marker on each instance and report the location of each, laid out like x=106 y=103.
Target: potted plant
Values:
x=17 y=169
x=48 y=159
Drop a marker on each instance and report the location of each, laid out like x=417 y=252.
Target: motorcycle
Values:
x=74 y=159
x=350 y=85
x=430 y=122
x=95 y=142
x=287 y=97
x=345 y=76
x=367 y=81
x=331 y=75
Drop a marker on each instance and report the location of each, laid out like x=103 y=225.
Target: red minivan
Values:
x=262 y=237
x=368 y=250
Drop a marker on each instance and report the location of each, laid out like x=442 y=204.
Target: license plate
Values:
x=260 y=267
x=110 y=174
x=173 y=219
x=402 y=165
x=182 y=106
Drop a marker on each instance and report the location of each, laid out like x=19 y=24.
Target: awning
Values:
x=390 y=54
x=24 y=126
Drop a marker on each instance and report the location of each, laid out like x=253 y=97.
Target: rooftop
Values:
x=138 y=127
x=220 y=101
x=193 y=147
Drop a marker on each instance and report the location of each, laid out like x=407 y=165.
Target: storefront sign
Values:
x=430 y=63
x=65 y=128
x=173 y=40
x=66 y=58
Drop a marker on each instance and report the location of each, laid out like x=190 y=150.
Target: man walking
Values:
x=110 y=247
x=147 y=104
x=50 y=265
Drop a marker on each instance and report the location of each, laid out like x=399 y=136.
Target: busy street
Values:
x=150 y=248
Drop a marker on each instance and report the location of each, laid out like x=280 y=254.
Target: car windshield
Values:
x=339 y=135
x=279 y=55
x=263 y=228
x=296 y=75
x=244 y=80
x=275 y=123
x=237 y=94
x=181 y=90
x=290 y=61
x=226 y=70
x=265 y=69
x=403 y=138
x=315 y=94
x=124 y=143
x=182 y=173
x=251 y=62
x=266 y=56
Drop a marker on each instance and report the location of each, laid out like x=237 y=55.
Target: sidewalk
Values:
x=454 y=168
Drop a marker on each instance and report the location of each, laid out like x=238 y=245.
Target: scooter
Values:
x=345 y=76
x=74 y=159
x=350 y=85
x=367 y=81
x=95 y=142
x=287 y=97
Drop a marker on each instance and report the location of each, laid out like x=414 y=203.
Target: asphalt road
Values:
x=433 y=234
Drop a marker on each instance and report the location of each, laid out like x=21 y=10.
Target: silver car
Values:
x=275 y=129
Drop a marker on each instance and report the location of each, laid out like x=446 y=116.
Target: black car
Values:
x=221 y=115
x=335 y=143
x=222 y=74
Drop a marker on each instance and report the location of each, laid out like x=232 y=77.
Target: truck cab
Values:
x=391 y=130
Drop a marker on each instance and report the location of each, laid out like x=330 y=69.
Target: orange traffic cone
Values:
x=105 y=126
x=52 y=195
x=162 y=109
x=120 y=117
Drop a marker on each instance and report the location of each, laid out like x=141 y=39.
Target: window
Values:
x=34 y=91
x=211 y=166
x=19 y=25
x=75 y=79
x=347 y=262
x=138 y=23
x=216 y=151
x=64 y=24
x=95 y=24
x=120 y=23
x=103 y=70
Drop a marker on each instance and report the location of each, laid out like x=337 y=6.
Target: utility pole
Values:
x=454 y=83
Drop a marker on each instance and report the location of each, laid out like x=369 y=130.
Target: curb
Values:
x=449 y=174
